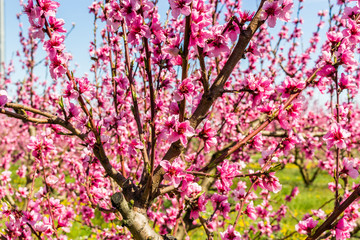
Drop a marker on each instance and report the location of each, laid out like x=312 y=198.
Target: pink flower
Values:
x=293 y=193
x=40 y=147
x=286 y=6
x=260 y=88
x=185 y=90
x=34 y=14
x=84 y=85
x=305 y=227
x=326 y=71
x=336 y=136
x=352 y=32
x=42 y=227
x=245 y=16
x=227 y=173
x=198 y=206
x=54 y=45
x=270 y=182
x=48 y=7
x=22 y=192
x=5 y=177
x=70 y=92
x=271 y=11
x=52 y=180
x=57 y=68
x=349 y=168
x=290 y=115
x=217 y=44
x=173 y=172
x=31 y=217
x=134 y=144
x=230 y=234
x=208 y=135
x=290 y=86
x=182 y=131
x=334 y=37
x=343 y=229
x=250 y=211
x=180 y=6
x=138 y=29
x=3 y=98
x=128 y=9
x=332 y=187
x=73 y=110
x=199 y=34
x=56 y=24
x=347 y=82
x=319 y=213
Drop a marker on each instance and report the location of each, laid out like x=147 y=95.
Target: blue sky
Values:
x=78 y=41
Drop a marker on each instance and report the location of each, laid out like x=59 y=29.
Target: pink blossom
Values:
x=3 y=98
x=270 y=182
x=334 y=37
x=293 y=193
x=35 y=15
x=57 y=66
x=31 y=217
x=70 y=92
x=84 y=85
x=260 y=87
x=332 y=186
x=230 y=234
x=48 y=7
x=227 y=173
x=336 y=136
x=180 y=6
x=198 y=206
x=54 y=45
x=217 y=45
x=271 y=11
x=349 y=168
x=352 y=32
x=182 y=131
x=22 y=192
x=343 y=229
x=134 y=144
x=56 y=24
x=305 y=227
x=347 y=82
x=73 y=110
x=40 y=147
x=52 y=180
x=233 y=31
x=290 y=86
x=138 y=29
x=5 y=177
x=250 y=211
x=245 y=16
x=173 y=172
x=185 y=90
x=289 y=116
x=319 y=213
x=191 y=189
x=128 y=9
x=285 y=13
x=199 y=34
x=41 y=227
x=207 y=134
